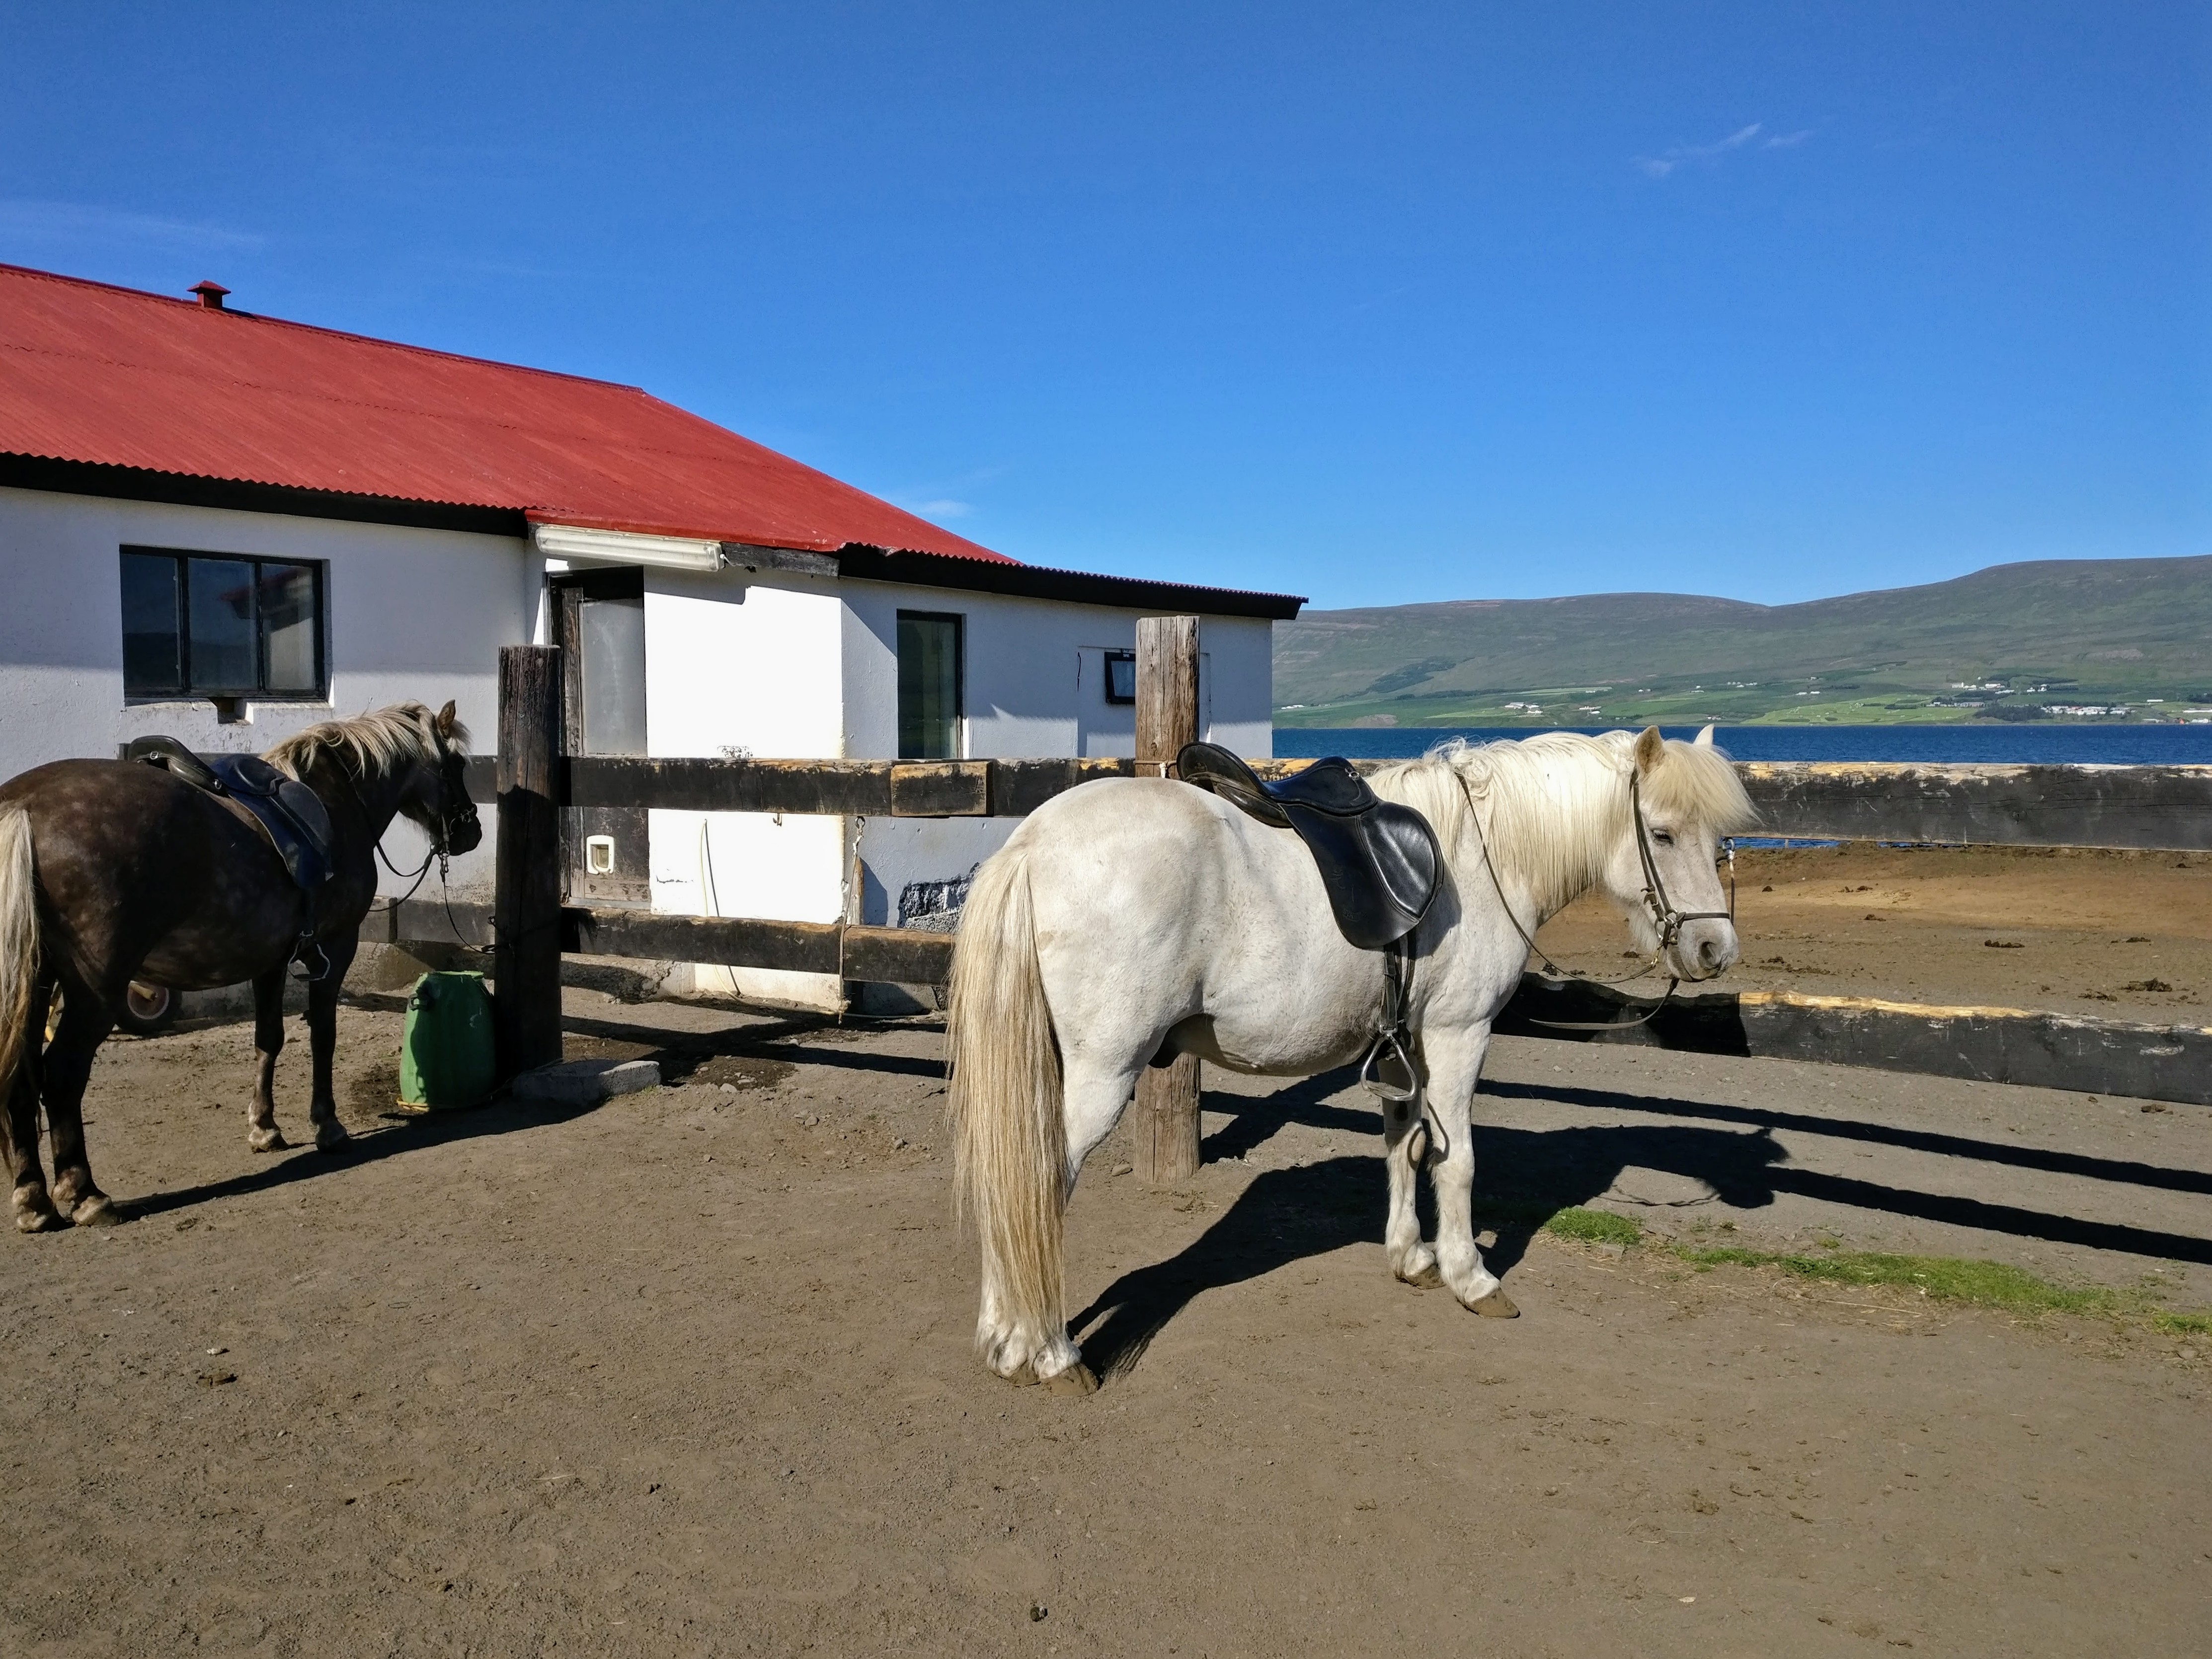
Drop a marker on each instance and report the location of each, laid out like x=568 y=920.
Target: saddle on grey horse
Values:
x=290 y=814
x=1378 y=861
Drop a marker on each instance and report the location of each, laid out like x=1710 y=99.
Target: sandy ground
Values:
x=690 y=1373
x=2114 y=935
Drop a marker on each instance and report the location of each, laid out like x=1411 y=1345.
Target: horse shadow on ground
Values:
x=1288 y=1215
x=1523 y=1177
x=679 y=1055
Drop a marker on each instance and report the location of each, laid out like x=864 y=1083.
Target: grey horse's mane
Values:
x=381 y=740
x=1554 y=805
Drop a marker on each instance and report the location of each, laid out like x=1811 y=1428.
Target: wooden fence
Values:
x=529 y=929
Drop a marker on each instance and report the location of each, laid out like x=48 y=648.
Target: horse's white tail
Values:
x=1005 y=1096
x=18 y=942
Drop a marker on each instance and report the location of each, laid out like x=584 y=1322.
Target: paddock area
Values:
x=690 y=1373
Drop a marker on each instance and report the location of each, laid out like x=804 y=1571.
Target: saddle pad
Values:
x=293 y=814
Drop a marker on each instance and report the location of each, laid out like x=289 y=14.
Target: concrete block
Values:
x=586 y=1082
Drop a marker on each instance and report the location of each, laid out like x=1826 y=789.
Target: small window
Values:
x=611 y=633
x=929 y=674
x=196 y=625
x=1121 y=677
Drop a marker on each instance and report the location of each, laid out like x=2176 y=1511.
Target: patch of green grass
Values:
x=1593 y=1226
x=1946 y=1278
x=1941 y=1277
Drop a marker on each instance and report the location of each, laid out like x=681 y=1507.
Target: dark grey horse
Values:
x=112 y=871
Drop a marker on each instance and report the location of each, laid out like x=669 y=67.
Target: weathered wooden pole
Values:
x=527 y=904
x=1167 y=719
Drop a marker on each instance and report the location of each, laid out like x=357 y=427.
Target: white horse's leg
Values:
x=1455 y=1066
x=1410 y=1260
x=1094 y=1101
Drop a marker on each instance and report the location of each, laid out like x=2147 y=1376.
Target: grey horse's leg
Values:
x=323 y=1039
x=19 y=1132
x=262 y=1133
x=87 y=1018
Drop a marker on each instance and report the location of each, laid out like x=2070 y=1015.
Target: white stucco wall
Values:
x=772 y=664
x=412 y=614
x=733 y=663
x=1035 y=688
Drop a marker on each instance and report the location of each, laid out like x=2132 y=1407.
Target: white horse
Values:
x=1132 y=917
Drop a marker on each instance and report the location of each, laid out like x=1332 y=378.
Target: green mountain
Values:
x=2016 y=642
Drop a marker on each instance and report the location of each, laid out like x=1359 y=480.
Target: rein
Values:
x=1664 y=916
x=441 y=839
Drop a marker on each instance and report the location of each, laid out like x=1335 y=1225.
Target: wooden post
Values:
x=526 y=906
x=1167 y=719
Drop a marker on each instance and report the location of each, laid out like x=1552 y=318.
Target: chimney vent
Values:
x=210 y=294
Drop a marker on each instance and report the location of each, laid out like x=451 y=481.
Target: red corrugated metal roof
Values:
x=89 y=372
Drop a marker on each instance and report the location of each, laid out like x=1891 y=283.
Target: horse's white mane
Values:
x=1554 y=805
x=380 y=740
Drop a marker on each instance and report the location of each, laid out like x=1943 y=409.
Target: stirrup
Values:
x=1381 y=1087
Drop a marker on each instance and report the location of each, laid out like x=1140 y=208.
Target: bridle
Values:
x=442 y=839
x=1667 y=921
x=1664 y=916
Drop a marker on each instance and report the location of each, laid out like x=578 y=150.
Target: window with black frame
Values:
x=1121 y=676
x=217 y=625
x=929 y=674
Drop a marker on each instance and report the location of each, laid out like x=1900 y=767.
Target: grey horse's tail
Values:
x=18 y=942
x=1004 y=1098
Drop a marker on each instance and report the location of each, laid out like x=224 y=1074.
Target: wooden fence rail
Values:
x=2165 y=807
x=2148 y=807
x=1992 y=1045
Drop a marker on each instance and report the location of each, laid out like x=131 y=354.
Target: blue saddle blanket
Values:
x=293 y=814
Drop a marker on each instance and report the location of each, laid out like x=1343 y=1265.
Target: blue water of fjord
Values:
x=1989 y=742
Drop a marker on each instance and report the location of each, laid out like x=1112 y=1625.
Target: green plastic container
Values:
x=445 y=1057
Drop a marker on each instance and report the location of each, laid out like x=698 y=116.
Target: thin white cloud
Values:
x=24 y=219
x=933 y=498
x=1658 y=167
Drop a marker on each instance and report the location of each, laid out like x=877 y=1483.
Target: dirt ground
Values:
x=2110 y=934
x=690 y=1373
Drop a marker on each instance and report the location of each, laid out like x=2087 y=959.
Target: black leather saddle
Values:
x=290 y=814
x=1378 y=861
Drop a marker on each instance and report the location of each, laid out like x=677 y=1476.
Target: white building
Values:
x=223 y=527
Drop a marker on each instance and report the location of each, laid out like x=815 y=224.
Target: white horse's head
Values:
x=1662 y=871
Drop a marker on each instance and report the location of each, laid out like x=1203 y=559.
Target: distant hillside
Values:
x=2024 y=641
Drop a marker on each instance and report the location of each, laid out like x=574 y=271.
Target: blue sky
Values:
x=1372 y=302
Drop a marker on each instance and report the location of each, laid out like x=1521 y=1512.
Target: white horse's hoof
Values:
x=98 y=1211
x=1419 y=1267
x=1495 y=1305
x=270 y=1140
x=1075 y=1382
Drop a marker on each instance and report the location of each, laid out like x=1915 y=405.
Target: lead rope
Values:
x=437 y=855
